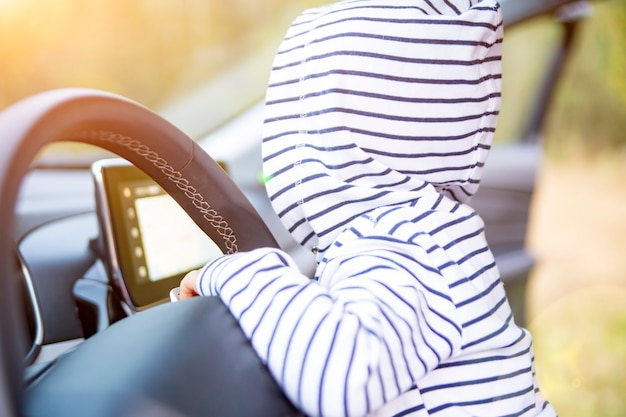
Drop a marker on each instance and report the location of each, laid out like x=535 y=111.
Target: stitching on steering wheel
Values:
x=208 y=213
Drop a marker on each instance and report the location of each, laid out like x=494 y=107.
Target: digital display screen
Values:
x=151 y=242
x=166 y=242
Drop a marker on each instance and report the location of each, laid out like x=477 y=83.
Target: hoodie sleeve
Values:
x=344 y=349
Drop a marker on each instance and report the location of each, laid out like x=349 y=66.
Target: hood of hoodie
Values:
x=376 y=103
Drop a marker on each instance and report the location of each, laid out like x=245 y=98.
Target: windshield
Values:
x=161 y=53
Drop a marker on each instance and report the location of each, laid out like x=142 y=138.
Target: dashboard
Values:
x=92 y=257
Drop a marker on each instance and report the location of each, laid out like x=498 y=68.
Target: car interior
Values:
x=87 y=326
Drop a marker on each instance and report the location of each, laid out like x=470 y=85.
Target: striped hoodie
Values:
x=379 y=119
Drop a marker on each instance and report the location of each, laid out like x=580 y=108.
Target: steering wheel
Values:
x=179 y=359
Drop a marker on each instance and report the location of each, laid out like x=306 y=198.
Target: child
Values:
x=379 y=118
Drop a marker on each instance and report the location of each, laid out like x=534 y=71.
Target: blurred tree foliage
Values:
x=588 y=112
x=151 y=50
x=143 y=49
x=590 y=106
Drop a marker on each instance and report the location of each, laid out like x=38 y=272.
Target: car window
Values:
x=151 y=51
x=163 y=52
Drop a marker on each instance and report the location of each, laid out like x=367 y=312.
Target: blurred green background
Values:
x=589 y=111
x=147 y=50
x=155 y=51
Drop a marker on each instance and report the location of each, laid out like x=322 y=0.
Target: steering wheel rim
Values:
x=178 y=164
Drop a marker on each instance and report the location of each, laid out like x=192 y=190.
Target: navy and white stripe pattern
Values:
x=379 y=118
x=370 y=99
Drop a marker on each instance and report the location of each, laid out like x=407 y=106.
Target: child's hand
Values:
x=188 y=285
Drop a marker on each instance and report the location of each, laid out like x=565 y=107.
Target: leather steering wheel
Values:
x=183 y=359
